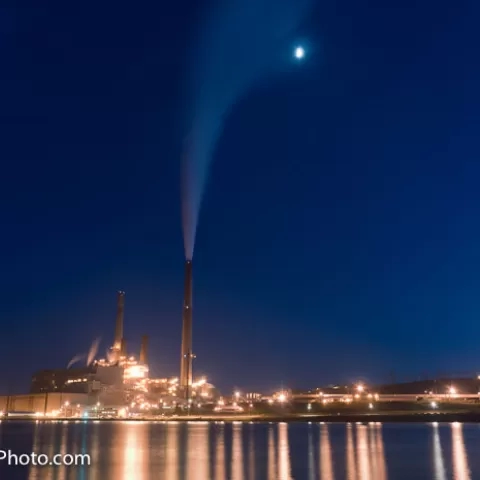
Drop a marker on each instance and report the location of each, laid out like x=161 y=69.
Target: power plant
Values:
x=120 y=386
x=122 y=380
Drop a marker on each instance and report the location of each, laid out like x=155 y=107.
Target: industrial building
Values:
x=119 y=380
x=91 y=379
x=44 y=403
x=102 y=380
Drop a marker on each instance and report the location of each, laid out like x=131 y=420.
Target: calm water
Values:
x=141 y=451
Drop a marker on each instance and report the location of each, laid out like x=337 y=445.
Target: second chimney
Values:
x=144 y=350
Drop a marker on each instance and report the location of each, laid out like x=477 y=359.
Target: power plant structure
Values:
x=119 y=381
x=119 y=386
x=139 y=388
x=119 y=346
x=187 y=356
x=143 y=358
x=135 y=372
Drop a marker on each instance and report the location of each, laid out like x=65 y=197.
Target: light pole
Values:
x=190 y=357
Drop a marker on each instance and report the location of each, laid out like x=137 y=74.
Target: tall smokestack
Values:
x=117 y=344
x=187 y=355
x=123 y=348
x=144 y=350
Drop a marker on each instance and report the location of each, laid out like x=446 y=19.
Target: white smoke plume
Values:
x=93 y=351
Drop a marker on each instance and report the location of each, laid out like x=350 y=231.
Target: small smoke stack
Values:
x=117 y=344
x=123 y=348
x=144 y=351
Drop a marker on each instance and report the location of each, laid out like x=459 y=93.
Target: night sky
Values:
x=339 y=235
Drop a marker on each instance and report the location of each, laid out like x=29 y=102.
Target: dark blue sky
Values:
x=339 y=235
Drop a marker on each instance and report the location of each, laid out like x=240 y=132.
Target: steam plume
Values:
x=75 y=359
x=93 y=351
x=237 y=46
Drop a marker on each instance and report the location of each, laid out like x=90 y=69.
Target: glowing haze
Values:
x=240 y=42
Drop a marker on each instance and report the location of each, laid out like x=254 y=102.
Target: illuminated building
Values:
x=253 y=397
x=123 y=380
x=94 y=378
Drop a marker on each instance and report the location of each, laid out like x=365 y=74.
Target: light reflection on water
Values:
x=311 y=457
x=134 y=438
x=197 y=457
x=438 y=455
x=326 y=467
x=242 y=451
x=220 y=473
x=237 y=453
x=460 y=461
x=272 y=462
x=171 y=452
x=284 y=471
x=363 y=453
x=251 y=454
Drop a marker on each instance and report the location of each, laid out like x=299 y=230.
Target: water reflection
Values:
x=284 y=469
x=380 y=454
x=196 y=451
x=51 y=451
x=326 y=466
x=351 y=470
x=171 y=452
x=272 y=459
x=62 y=470
x=237 y=453
x=82 y=469
x=372 y=449
x=46 y=441
x=251 y=454
x=377 y=455
x=94 y=452
x=220 y=467
x=459 y=455
x=198 y=455
x=34 y=469
x=135 y=451
x=438 y=463
x=363 y=453
x=311 y=457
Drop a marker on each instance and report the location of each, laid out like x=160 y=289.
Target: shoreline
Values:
x=399 y=417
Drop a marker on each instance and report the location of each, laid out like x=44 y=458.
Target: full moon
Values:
x=299 y=52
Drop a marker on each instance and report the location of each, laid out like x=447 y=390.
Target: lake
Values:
x=216 y=451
